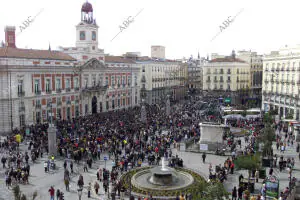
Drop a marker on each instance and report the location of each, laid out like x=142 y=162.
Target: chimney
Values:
x=10 y=36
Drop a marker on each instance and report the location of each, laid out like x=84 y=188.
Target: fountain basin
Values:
x=161 y=180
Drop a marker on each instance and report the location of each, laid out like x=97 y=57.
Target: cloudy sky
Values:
x=183 y=27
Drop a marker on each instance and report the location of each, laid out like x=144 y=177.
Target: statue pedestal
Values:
x=52 y=140
x=211 y=136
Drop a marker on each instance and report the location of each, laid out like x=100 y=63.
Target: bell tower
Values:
x=87 y=29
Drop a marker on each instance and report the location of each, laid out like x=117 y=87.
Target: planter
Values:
x=267 y=162
x=262 y=174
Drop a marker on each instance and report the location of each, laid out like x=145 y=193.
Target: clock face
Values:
x=93 y=35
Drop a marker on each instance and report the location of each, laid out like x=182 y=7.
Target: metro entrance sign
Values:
x=227 y=100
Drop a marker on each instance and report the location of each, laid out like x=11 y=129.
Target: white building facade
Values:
x=226 y=77
x=281 y=82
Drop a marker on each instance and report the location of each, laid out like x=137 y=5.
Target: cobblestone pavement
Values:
x=41 y=181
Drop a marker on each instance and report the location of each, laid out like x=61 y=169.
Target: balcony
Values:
x=208 y=81
x=228 y=81
x=208 y=73
x=22 y=109
x=76 y=88
x=229 y=72
x=68 y=102
x=95 y=88
x=215 y=81
x=48 y=91
x=221 y=72
x=221 y=81
x=59 y=103
x=38 y=106
x=37 y=92
x=21 y=94
x=76 y=101
x=293 y=69
x=68 y=89
x=288 y=69
x=282 y=69
x=293 y=82
x=58 y=90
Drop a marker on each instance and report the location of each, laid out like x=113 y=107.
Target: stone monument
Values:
x=211 y=136
x=52 y=140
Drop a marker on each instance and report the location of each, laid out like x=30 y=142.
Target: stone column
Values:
x=168 y=108
x=143 y=112
x=52 y=140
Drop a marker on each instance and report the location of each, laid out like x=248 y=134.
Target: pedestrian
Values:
x=57 y=194
x=122 y=193
x=271 y=171
x=89 y=190
x=51 y=191
x=203 y=157
x=96 y=187
x=256 y=175
x=240 y=193
x=85 y=169
x=46 y=166
x=234 y=193
x=71 y=166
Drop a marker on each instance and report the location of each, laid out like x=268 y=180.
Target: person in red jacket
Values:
x=52 y=191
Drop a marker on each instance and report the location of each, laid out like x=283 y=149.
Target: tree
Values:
x=213 y=191
x=267 y=137
x=248 y=162
x=268 y=118
x=19 y=196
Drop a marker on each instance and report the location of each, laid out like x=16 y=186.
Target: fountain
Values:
x=161 y=178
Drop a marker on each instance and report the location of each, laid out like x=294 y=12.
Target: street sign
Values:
x=227 y=100
x=105 y=158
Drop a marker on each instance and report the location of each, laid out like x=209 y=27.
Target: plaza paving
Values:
x=40 y=181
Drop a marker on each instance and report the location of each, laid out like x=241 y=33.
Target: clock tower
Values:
x=87 y=29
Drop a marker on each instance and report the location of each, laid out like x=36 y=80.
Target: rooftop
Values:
x=34 y=54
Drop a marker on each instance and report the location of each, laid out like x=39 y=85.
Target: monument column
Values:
x=52 y=134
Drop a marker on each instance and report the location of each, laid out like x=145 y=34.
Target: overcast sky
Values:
x=183 y=27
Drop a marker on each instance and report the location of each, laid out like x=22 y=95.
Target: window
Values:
x=113 y=104
x=67 y=83
x=135 y=99
x=123 y=80
x=86 y=80
x=119 y=80
x=58 y=84
x=123 y=101
x=48 y=85
x=237 y=71
x=228 y=87
x=228 y=71
x=113 y=81
x=82 y=35
x=228 y=78
x=20 y=86
x=107 y=105
x=76 y=82
x=93 y=47
x=106 y=81
x=129 y=80
x=143 y=70
x=118 y=102
x=215 y=78
x=221 y=71
x=86 y=108
x=94 y=35
x=36 y=86
x=94 y=81
x=135 y=80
